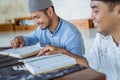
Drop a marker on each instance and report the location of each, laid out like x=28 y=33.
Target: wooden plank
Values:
x=25 y=28
x=87 y=74
x=82 y=24
x=6 y=27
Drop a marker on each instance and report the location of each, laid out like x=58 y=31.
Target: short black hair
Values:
x=107 y=0
x=110 y=3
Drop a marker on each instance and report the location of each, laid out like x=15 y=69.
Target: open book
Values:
x=44 y=64
x=22 y=52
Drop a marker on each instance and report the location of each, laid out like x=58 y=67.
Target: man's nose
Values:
x=37 y=22
x=92 y=17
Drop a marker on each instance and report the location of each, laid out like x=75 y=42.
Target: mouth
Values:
x=95 y=24
x=42 y=25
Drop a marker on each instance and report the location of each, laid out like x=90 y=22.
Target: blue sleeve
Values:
x=75 y=44
x=32 y=38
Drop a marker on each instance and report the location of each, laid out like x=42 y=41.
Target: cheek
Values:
x=100 y=23
x=104 y=24
x=47 y=21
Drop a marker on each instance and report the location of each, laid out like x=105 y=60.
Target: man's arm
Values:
x=79 y=59
x=48 y=50
x=74 y=43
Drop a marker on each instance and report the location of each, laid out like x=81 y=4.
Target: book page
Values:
x=48 y=64
x=39 y=58
x=22 y=52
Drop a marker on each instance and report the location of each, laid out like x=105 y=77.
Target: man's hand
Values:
x=48 y=50
x=17 y=42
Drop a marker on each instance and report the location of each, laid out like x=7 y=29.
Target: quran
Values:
x=49 y=63
x=22 y=52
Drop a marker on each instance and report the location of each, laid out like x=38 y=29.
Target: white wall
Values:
x=9 y=9
x=67 y=9
x=72 y=9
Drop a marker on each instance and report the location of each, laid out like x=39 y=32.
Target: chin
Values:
x=43 y=28
x=102 y=32
x=99 y=30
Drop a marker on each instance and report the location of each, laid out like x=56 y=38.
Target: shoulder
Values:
x=69 y=27
x=101 y=41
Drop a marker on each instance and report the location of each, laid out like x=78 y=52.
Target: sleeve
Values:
x=74 y=43
x=32 y=38
x=92 y=56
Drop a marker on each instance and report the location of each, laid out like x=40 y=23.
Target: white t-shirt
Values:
x=105 y=57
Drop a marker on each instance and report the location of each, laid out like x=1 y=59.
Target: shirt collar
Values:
x=57 y=29
x=109 y=39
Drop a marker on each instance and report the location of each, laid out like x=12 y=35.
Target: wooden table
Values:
x=8 y=72
x=87 y=74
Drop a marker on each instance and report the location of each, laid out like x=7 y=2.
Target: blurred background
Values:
x=67 y=9
x=15 y=19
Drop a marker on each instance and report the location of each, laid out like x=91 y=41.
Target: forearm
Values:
x=79 y=59
x=30 y=40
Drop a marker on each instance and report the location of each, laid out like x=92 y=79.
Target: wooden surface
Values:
x=25 y=28
x=82 y=24
x=87 y=74
x=8 y=72
x=6 y=27
x=11 y=69
x=17 y=20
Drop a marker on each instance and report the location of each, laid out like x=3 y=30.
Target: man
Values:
x=105 y=53
x=52 y=30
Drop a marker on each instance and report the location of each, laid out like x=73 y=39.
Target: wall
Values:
x=67 y=9
x=12 y=8
x=72 y=9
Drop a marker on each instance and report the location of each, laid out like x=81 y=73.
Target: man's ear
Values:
x=119 y=12
x=117 y=9
x=50 y=11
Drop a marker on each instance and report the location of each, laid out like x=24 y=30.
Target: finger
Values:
x=45 y=50
x=12 y=43
x=49 y=53
x=42 y=52
x=16 y=43
x=22 y=44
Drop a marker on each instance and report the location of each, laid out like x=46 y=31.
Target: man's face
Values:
x=104 y=20
x=41 y=19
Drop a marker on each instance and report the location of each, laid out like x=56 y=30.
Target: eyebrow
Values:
x=93 y=6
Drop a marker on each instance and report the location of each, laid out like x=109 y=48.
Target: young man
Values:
x=105 y=53
x=51 y=30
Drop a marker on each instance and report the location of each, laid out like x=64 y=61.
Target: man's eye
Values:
x=37 y=17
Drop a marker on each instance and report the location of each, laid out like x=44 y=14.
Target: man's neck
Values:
x=116 y=36
x=55 y=22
